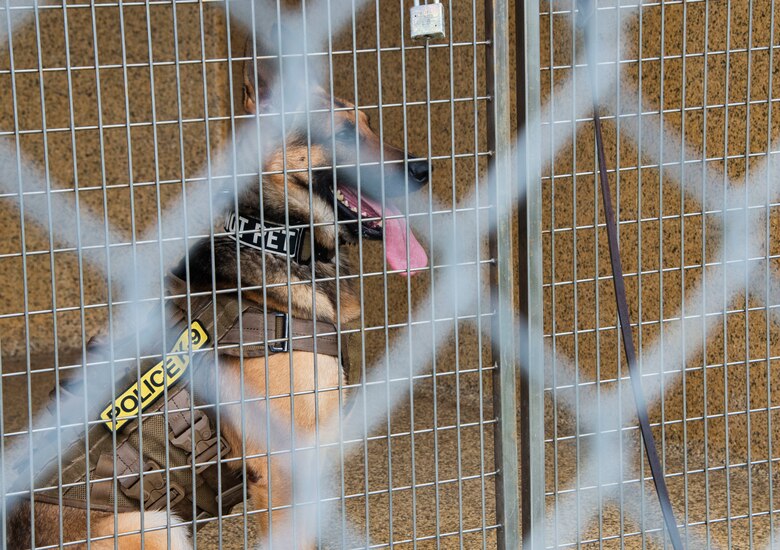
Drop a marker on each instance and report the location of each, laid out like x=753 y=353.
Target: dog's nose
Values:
x=418 y=169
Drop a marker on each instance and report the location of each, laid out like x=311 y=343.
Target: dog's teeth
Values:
x=352 y=208
x=364 y=214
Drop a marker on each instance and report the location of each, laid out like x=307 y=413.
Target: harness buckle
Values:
x=204 y=438
x=177 y=494
x=156 y=490
x=282 y=341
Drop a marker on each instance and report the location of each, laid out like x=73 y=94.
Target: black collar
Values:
x=274 y=238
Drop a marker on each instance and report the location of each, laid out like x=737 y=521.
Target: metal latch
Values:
x=427 y=20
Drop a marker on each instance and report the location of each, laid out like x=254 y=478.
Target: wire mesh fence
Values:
x=247 y=259
x=359 y=188
x=688 y=101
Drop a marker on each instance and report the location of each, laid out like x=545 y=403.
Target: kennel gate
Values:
x=121 y=119
x=689 y=97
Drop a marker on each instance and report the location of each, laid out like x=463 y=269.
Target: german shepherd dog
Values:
x=306 y=192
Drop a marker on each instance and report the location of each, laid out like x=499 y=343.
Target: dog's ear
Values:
x=250 y=94
x=263 y=78
x=262 y=72
x=257 y=72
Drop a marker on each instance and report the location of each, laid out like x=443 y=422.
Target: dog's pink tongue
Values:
x=395 y=242
x=395 y=246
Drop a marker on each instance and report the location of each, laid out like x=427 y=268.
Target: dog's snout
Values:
x=418 y=169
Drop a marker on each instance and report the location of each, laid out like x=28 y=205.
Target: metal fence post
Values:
x=504 y=284
x=529 y=176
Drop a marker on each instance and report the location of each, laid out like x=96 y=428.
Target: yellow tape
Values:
x=154 y=381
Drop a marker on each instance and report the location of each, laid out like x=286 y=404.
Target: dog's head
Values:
x=338 y=169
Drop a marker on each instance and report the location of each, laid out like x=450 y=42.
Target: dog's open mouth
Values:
x=402 y=250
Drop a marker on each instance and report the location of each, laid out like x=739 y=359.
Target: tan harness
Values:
x=181 y=451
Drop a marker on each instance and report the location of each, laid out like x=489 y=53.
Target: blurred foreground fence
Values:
x=483 y=401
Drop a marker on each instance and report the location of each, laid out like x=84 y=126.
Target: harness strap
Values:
x=586 y=21
x=155 y=488
x=182 y=433
x=104 y=469
x=227 y=488
x=250 y=331
x=280 y=328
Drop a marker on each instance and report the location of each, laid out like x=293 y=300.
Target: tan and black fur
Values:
x=333 y=136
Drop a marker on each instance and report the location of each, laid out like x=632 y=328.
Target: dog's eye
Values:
x=346 y=131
